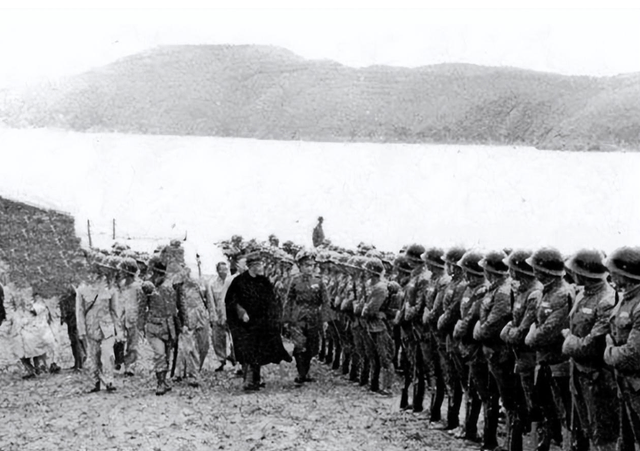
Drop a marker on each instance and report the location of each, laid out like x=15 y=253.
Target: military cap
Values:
x=516 y=260
x=454 y=254
x=253 y=258
x=374 y=265
x=434 y=256
x=305 y=254
x=625 y=261
x=469 y=263
x=493 y=262
x=547 y=260
x=588 y=263
x=414 y=253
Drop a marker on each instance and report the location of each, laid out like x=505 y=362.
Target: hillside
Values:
x=271 y=93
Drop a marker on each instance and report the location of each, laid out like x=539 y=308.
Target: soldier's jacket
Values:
x=159 y=310
x=589 y=324
x=451 y=305
x=412 y=307
x=97 y=311
x=307 y=299
x=624 y=355
x=552 y=315
x=131 y=298
x=192 y=307
x=495 y=313
x=524 y=305
x=361 y=290
x=374 y=318
x=469 y=314
x=433 y=300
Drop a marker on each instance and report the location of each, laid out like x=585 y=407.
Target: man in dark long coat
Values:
x=251 y=306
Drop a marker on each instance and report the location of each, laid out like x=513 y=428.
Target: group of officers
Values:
x=552 y=340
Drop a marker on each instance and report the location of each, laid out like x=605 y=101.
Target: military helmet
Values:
x=625 y=261
x=402 y=264
x=547 y=260
x=323 y=256
x=516 y=260
x=454 y=254
x=414 y=253
x=374 y=265
x=129 y=265
x=469 y=263
x=493 y=262
x=434 y=256
x=373 y=253
x=588 y=263
x=305 y=254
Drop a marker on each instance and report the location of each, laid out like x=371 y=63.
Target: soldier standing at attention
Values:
x=159 y=312
x=545 y=337
x=623 y=344
x=97 y=316
x=305 y=306
x=592 y=382
x=132 y=297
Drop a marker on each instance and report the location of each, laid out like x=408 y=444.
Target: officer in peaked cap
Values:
x=592 y=380
x=304 y=308
x=545 y=337
x=470 y=351
x=623 y=344
x=525 y=295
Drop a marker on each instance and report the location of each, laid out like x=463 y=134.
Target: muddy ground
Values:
x=55 y=412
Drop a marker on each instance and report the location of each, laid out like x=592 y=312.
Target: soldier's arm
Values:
x=466 y=323
x=626 y=357
x=113 y=311
x=210 y=303
x=498 y=316
x=372 y=306
x=438 y=307
x=593 y=343
x=451 y=313
x=289 y=303
x=517 y=333
x=548 y=332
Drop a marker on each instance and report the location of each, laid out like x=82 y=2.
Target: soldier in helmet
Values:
x=593 y=385
x=362 y=344
x=433 y=344
x=524 y=301
x=455 y=372
x=622 y=352
x=545 y=337
x=470 y=352
x=132 y=297
x=97 y=317
x=305 y=305
x=495 y=313
x=410 y=320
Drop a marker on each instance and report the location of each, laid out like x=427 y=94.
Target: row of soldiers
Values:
x=555 y=341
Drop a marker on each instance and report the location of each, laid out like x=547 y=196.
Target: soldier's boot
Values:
x=515 y=430
x=162 y=386
x=543 y=436
x=257 y=377
x=490 y=436
x=346 y=361
x=579 y=440
x=365 y=369
x=453 y=409
x=437 y=399
x=323 y=347
x=472 y=414
x=355 y=366
x=29 y=368
x=336 y=357
x=404 y=398
x=418 y=394
x=96 y=388
x=375 y=376
x=328 y=357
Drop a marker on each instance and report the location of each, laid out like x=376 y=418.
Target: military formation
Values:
x=538 y=341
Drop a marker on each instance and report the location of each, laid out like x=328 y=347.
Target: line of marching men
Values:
x=554 y=341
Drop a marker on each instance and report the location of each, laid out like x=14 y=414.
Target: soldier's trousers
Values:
x=554 y=398
x=306 y=341
x=78 y=347
x=413 y=371
x=473 y=402
x=435 y=369
x=488 y=392
x=219 y=334
x=382 y=358
x=629 y=406
x=201 y=335
x=359 y=358
x=161 y=352
x=452 y=381
x=131 y=346
x=334 y=347
x=101 y=359
x=597 y=417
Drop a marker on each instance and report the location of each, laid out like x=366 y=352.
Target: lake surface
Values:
x=161 y=187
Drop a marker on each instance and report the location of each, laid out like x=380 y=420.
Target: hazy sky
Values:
x=38 y=44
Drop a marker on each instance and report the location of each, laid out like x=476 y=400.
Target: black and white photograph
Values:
x=319 y=226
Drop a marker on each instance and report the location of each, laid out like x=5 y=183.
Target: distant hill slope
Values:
x=271 y=93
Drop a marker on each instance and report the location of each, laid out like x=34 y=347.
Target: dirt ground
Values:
x=54 y=411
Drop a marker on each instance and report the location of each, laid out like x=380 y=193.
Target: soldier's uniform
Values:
x=362 y=346
x=159 y=311
x=97 y=317
x=525 y=296
x=477 y=385
x=545 y=337
x=592 y=383
x=304 y=307
x=332 y=356
x=131 y=298
x=495 y=313
x=623 y=346
x=434 y=344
